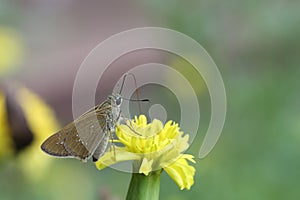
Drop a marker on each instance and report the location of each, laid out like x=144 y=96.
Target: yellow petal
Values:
x=141 y=120
x=173 y=173
x=146 y=166
x=112 y=157
x=182 y=173
x=189 y=157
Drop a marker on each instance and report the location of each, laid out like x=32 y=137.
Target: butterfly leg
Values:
x=112 y=143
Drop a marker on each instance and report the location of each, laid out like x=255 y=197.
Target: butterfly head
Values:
x=116 y=100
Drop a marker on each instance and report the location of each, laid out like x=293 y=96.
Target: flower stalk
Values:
x=144 y=187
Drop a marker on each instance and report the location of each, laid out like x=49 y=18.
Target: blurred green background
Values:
x=256 y=46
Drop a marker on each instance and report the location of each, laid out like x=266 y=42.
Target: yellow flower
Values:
x=153 y=147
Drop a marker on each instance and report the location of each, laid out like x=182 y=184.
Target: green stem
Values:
x=144 y=187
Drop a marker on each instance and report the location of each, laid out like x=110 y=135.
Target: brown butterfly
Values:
x=89 y=134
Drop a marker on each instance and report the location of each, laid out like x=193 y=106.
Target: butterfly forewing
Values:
x=87 y=135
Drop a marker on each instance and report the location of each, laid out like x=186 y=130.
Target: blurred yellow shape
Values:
x=6 y=144
x=11 y=49
x=42 y=123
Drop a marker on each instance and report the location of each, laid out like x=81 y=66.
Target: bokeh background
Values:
x=256 y=46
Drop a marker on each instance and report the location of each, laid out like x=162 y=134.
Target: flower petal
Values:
x=146 y=166
x=113 y=157
x=175 y=175
x=182 y=173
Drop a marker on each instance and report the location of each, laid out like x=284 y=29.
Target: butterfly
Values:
x=88 y=135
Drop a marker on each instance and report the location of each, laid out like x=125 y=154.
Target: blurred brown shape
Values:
x=21 y=134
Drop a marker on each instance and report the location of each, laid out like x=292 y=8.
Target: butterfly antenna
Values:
x=136 y=91
x=123 y=81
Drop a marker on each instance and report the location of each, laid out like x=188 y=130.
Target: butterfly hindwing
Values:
x=54 y=145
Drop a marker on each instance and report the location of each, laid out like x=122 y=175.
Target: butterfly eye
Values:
x=118 y=101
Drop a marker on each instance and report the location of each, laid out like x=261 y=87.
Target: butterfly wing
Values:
x=89 y=131
x=54 y=145
x=101 y=147
x=80 y=138
x=86 y=135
